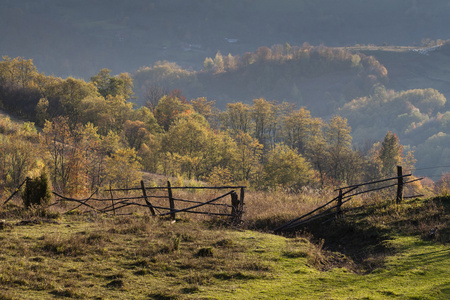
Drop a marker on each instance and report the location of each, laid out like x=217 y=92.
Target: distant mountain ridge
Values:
x=77 y=38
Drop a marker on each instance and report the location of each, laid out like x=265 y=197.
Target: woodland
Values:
x=87 y=132
x=327 y=82
x=377 y=89
x=87 y=135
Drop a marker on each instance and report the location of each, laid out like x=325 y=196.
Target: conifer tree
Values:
x=37 y=190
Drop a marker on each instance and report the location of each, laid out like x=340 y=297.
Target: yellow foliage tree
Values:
x=123 y=168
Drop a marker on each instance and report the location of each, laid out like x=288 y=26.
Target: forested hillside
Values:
x=92 y=136
x=327 y=82
x=253 y=79
x=319 y=78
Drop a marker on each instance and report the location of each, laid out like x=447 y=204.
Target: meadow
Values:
x=380 y=251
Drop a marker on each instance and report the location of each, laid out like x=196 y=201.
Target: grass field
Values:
x=380 y=252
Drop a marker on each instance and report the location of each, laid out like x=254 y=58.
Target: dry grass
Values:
x=268 y=210
x=81 y=255
x=98 y=256
x=263 y=210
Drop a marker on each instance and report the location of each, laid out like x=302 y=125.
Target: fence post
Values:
x=242 y=200
x=171 y=202
x=339 y=203
x=112 y=198
x=399 y=185
x=150 y=206
x=235 y=204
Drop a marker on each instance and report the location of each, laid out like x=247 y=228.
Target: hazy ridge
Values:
x=80 y=37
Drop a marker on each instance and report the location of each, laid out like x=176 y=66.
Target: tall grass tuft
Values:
x=268 y=210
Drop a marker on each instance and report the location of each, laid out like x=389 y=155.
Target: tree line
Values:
x=87 y=135
x=420 y=117
x=276 y=72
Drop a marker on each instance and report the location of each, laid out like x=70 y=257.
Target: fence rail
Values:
x=114 y=205
x=333 y=207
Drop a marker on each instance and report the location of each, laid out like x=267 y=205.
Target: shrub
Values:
x=205 y=252
x=37 y=190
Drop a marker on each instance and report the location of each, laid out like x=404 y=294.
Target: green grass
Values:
x=139 y=257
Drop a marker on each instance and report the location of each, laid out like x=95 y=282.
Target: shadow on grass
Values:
x=363 y=235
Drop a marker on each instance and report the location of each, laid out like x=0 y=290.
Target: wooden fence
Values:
x=163 y=205
x=333 y=208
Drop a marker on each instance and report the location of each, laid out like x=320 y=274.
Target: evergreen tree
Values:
x=37 y=190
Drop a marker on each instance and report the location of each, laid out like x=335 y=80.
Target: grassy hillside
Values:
x=102 y=257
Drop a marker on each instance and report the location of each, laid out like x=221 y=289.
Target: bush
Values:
x=37 y=191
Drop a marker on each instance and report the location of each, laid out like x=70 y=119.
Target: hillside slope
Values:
x=100 y=257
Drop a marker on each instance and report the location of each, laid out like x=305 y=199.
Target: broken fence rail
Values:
x=234 y=210
x=339 y=200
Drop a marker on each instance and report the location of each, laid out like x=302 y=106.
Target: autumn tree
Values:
x=73 y=152
x=135 y=133
x=151 y=152
x=19 y=154
x=18 y=85
x=220 y=176
x=77 y=162
x=145 y=115
x=18 y=71
x=168 y=109
x=176 y=93
x=219 y=65
x=70 y=93
x=265 y=117
x=110 y=113
x=208 y=64
x=118 y=110
x=390 y=153
x=248 y=157
x=286 y=168
x=207 y=109
x=186 y=141
x=299 y=128
x=152 y=95
x=237 y=117
x=231 y=62
x=263 y=54
x=57 y=139
x=42 y=111
x=123 y=168
x=316 y=151
x=96 y=148
x=95 y=110
x=107 y=85
x=105 y=146
x=337 y=134
x=277 y=51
